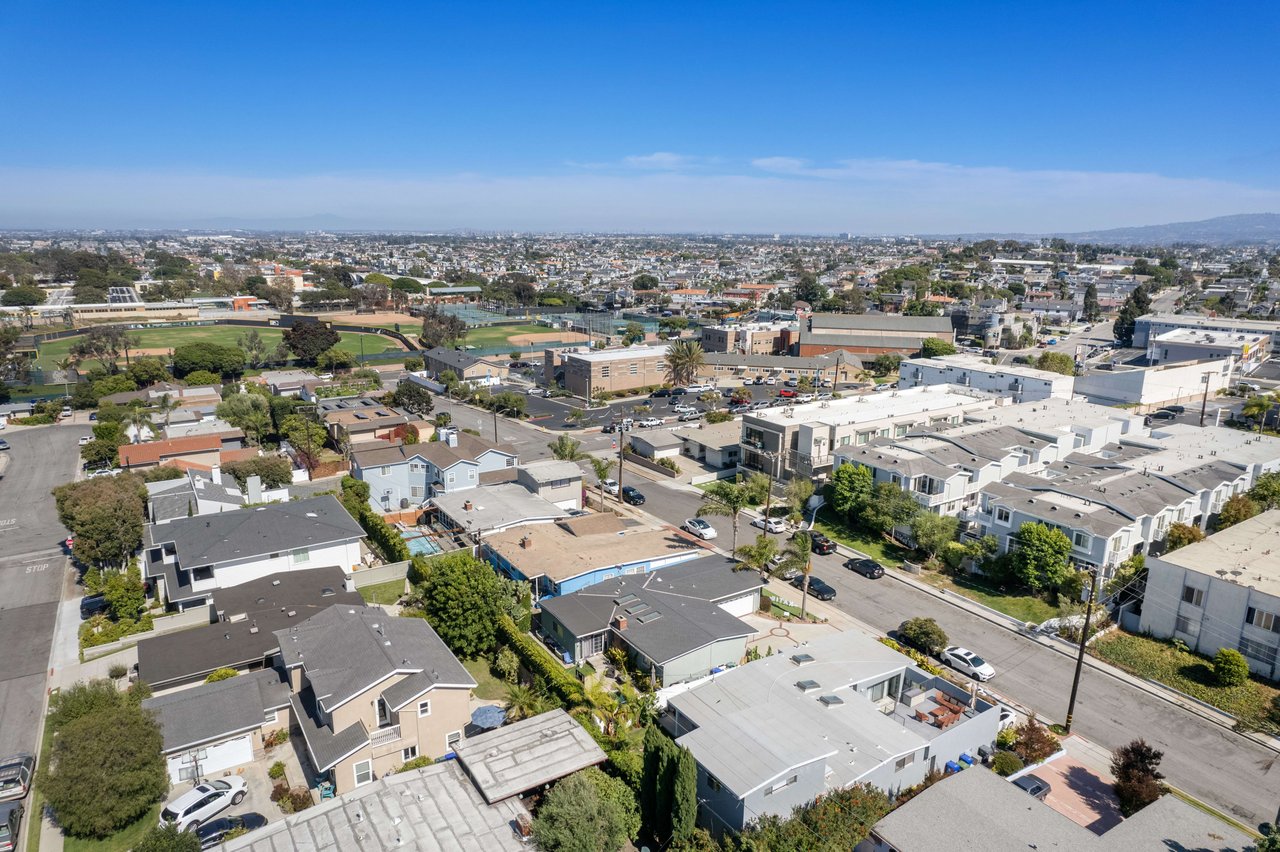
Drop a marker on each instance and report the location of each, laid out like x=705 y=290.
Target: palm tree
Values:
x=140 y=420
x=684 y=359
x=601 y=468
x=66 y=365
x=165 y=406
x=522 y=702
x=1257 y=407
x=606 y=706
x=759 y=554
x=726 y=499
x=567 y=449
x=798 y=555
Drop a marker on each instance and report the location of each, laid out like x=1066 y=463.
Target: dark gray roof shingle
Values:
x=214 y=711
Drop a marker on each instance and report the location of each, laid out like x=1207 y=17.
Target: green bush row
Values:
x=539 y=662
x=916 y=657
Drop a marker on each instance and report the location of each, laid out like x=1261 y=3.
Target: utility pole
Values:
x=1204 y=401
x=1084 y=639
x=622 y=442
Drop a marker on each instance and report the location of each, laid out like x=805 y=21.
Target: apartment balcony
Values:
x=383 y=736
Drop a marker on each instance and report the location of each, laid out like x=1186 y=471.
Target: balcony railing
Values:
x=382 y=736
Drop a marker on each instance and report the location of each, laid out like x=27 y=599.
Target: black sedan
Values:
x=212 y=833
x=632 y=496
x=868 y=568
x=818 y=588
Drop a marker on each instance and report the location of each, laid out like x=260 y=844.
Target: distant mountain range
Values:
x=1240 y=229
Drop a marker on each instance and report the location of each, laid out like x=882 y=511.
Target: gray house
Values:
x=680 y=622
x=838 y=711
x=405 y=475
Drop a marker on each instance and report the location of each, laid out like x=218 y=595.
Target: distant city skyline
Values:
x=653 y=118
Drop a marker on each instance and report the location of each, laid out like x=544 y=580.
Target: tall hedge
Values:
x=538 y=661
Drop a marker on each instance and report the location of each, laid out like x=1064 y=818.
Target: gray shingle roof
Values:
x=525 y=755
x=346 y=650
x=215 y=711
x=325 y=746
x=246 y=533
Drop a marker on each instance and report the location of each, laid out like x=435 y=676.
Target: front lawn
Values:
x=383 y=593
x=122 y=841
x=1021 y=607
x=488 y=687
x=876 y=546
x=1251 y=702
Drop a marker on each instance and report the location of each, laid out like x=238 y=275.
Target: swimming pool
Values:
x=419 y=544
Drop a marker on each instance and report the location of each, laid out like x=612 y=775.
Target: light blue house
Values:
x=405 y=476
x=574 y=553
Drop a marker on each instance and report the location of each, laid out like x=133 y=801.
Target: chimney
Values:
x=466 y=506
x=253 y=489
x=620 y=623
x=216 y=474
x=526 y=542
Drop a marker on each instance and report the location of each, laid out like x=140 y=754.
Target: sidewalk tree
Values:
x=1135 y=768
x=923 y=634
x=601 y=468
x=849 y=487
x=1257 y=407
x=1034 y=742
x=933 y=532
x=797 y=492
x=413 y=398
x=1042 y=559
x=726 y=499
x=888 y=506
x=683 y=360
x=1092 y=309
x=105 y=517
x=758 y=555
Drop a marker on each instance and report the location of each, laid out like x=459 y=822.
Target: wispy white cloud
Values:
x=660 y=192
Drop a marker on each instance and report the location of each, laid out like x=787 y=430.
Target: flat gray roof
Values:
x=435 y=809
x=497 y=506
x=525 y=755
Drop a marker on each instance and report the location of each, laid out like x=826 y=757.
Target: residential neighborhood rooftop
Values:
x=495 y=507
x=1246 y=553
x=191 y=717
x=525 y=755
x=567 y=549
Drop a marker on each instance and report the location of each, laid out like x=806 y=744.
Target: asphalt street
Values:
x=33 y=570
x=1208 y=761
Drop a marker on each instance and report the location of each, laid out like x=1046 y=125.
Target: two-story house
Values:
x=405 y=475
x=190 y=558
x=371 y=692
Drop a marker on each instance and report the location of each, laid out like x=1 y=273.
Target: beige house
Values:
x=612 y=370
x=372 y=692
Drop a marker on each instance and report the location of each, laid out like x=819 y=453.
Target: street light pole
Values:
x=1084 y=639
x=1204 y=401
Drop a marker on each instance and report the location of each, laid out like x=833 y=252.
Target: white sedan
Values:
x=86 y=439
x=964 y=660
x=772 y=525
x=610 y=486
x=700 y=528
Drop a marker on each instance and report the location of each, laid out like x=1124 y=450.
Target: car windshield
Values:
x=696 y=522
x=168 y=815
x=977 y=661
x=220 y=785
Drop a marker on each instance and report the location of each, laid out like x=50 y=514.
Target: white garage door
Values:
x=210 y=759
x=744 y=605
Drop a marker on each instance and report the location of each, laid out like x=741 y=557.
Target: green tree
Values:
x=407 y=285
x=248 y=412
x=1006 y=763
x=1266 y=491
x=684 y=796
x=274 y=471
x=105 y=517
x=413 y=398
x=335 y=360
x=1257 y=407
x=808 y=289
x=1135 y=767
x=849 y=487
x=797 y=492
x=16 y=297
x=1230 y=668
x=933 y=532
x=124 y=593
x=923 y=634
x=1092 y=310
x=601 y=468
x=1034 y=742
x=306 y=339
x=214 y=358
x=1180 y=535
x=645 y=281
x=440 y=328
x=683 y=361
x=586 y=812
x=104 y=769
x=202 y=378
x=565 y=448
x=462 y=598
x=523 y=702
x=306 y=437
x=254 y=348
x=889 y=506
x=727 y=499
x=1042 y=558
x=885 y=364
x=758 y=555
x=147 y=371
x=933 y=347
x=634 y=333
x=167 y=838
x=1236 y=509
x=837 y=821
x=1056 y=362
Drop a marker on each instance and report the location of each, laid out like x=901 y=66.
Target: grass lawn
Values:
x=488 y=687
x=121 y=841
x=383 y=593
x=169 y=338
x=1021 y=607
x=1186 y=672
x=877 y=547
x=498 y=335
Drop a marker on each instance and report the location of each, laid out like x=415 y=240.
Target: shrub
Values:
x=628 y=765
x=417 y=763
x=278 y=737
x=1230 y=667
x=117 y=671
x=923 y=634
x=1034 y=742
x=540 y=663
x=1005 y=763
x=276 y=772
x=916 y=657
x=507 y=665
x=1006 y=737
x=1136 y=770
x=220 y=674
x=669 y=464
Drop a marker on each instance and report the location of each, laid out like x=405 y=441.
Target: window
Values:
x=634 y=369
x=1182 y=624
x=364 y=772
x=301 y=556
x=452 y=740
x=713 y=782
x=385 y=471
x=1193 y=596
x=1002 y=514
x=424 y=708
x=415 y=491
x=471 y=474
x=1081 y=540
x=408 y=754
x=384 y=713
x=1262 y=619
x=782 y=785
x=900 y=431
x=416 y=468
x=270 y=718
x=904 y=762
x=1258 y=651
x=604 y=371
x=449 y=478
x=511 y=462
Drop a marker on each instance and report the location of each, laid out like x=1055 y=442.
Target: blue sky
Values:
x=826 y=117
